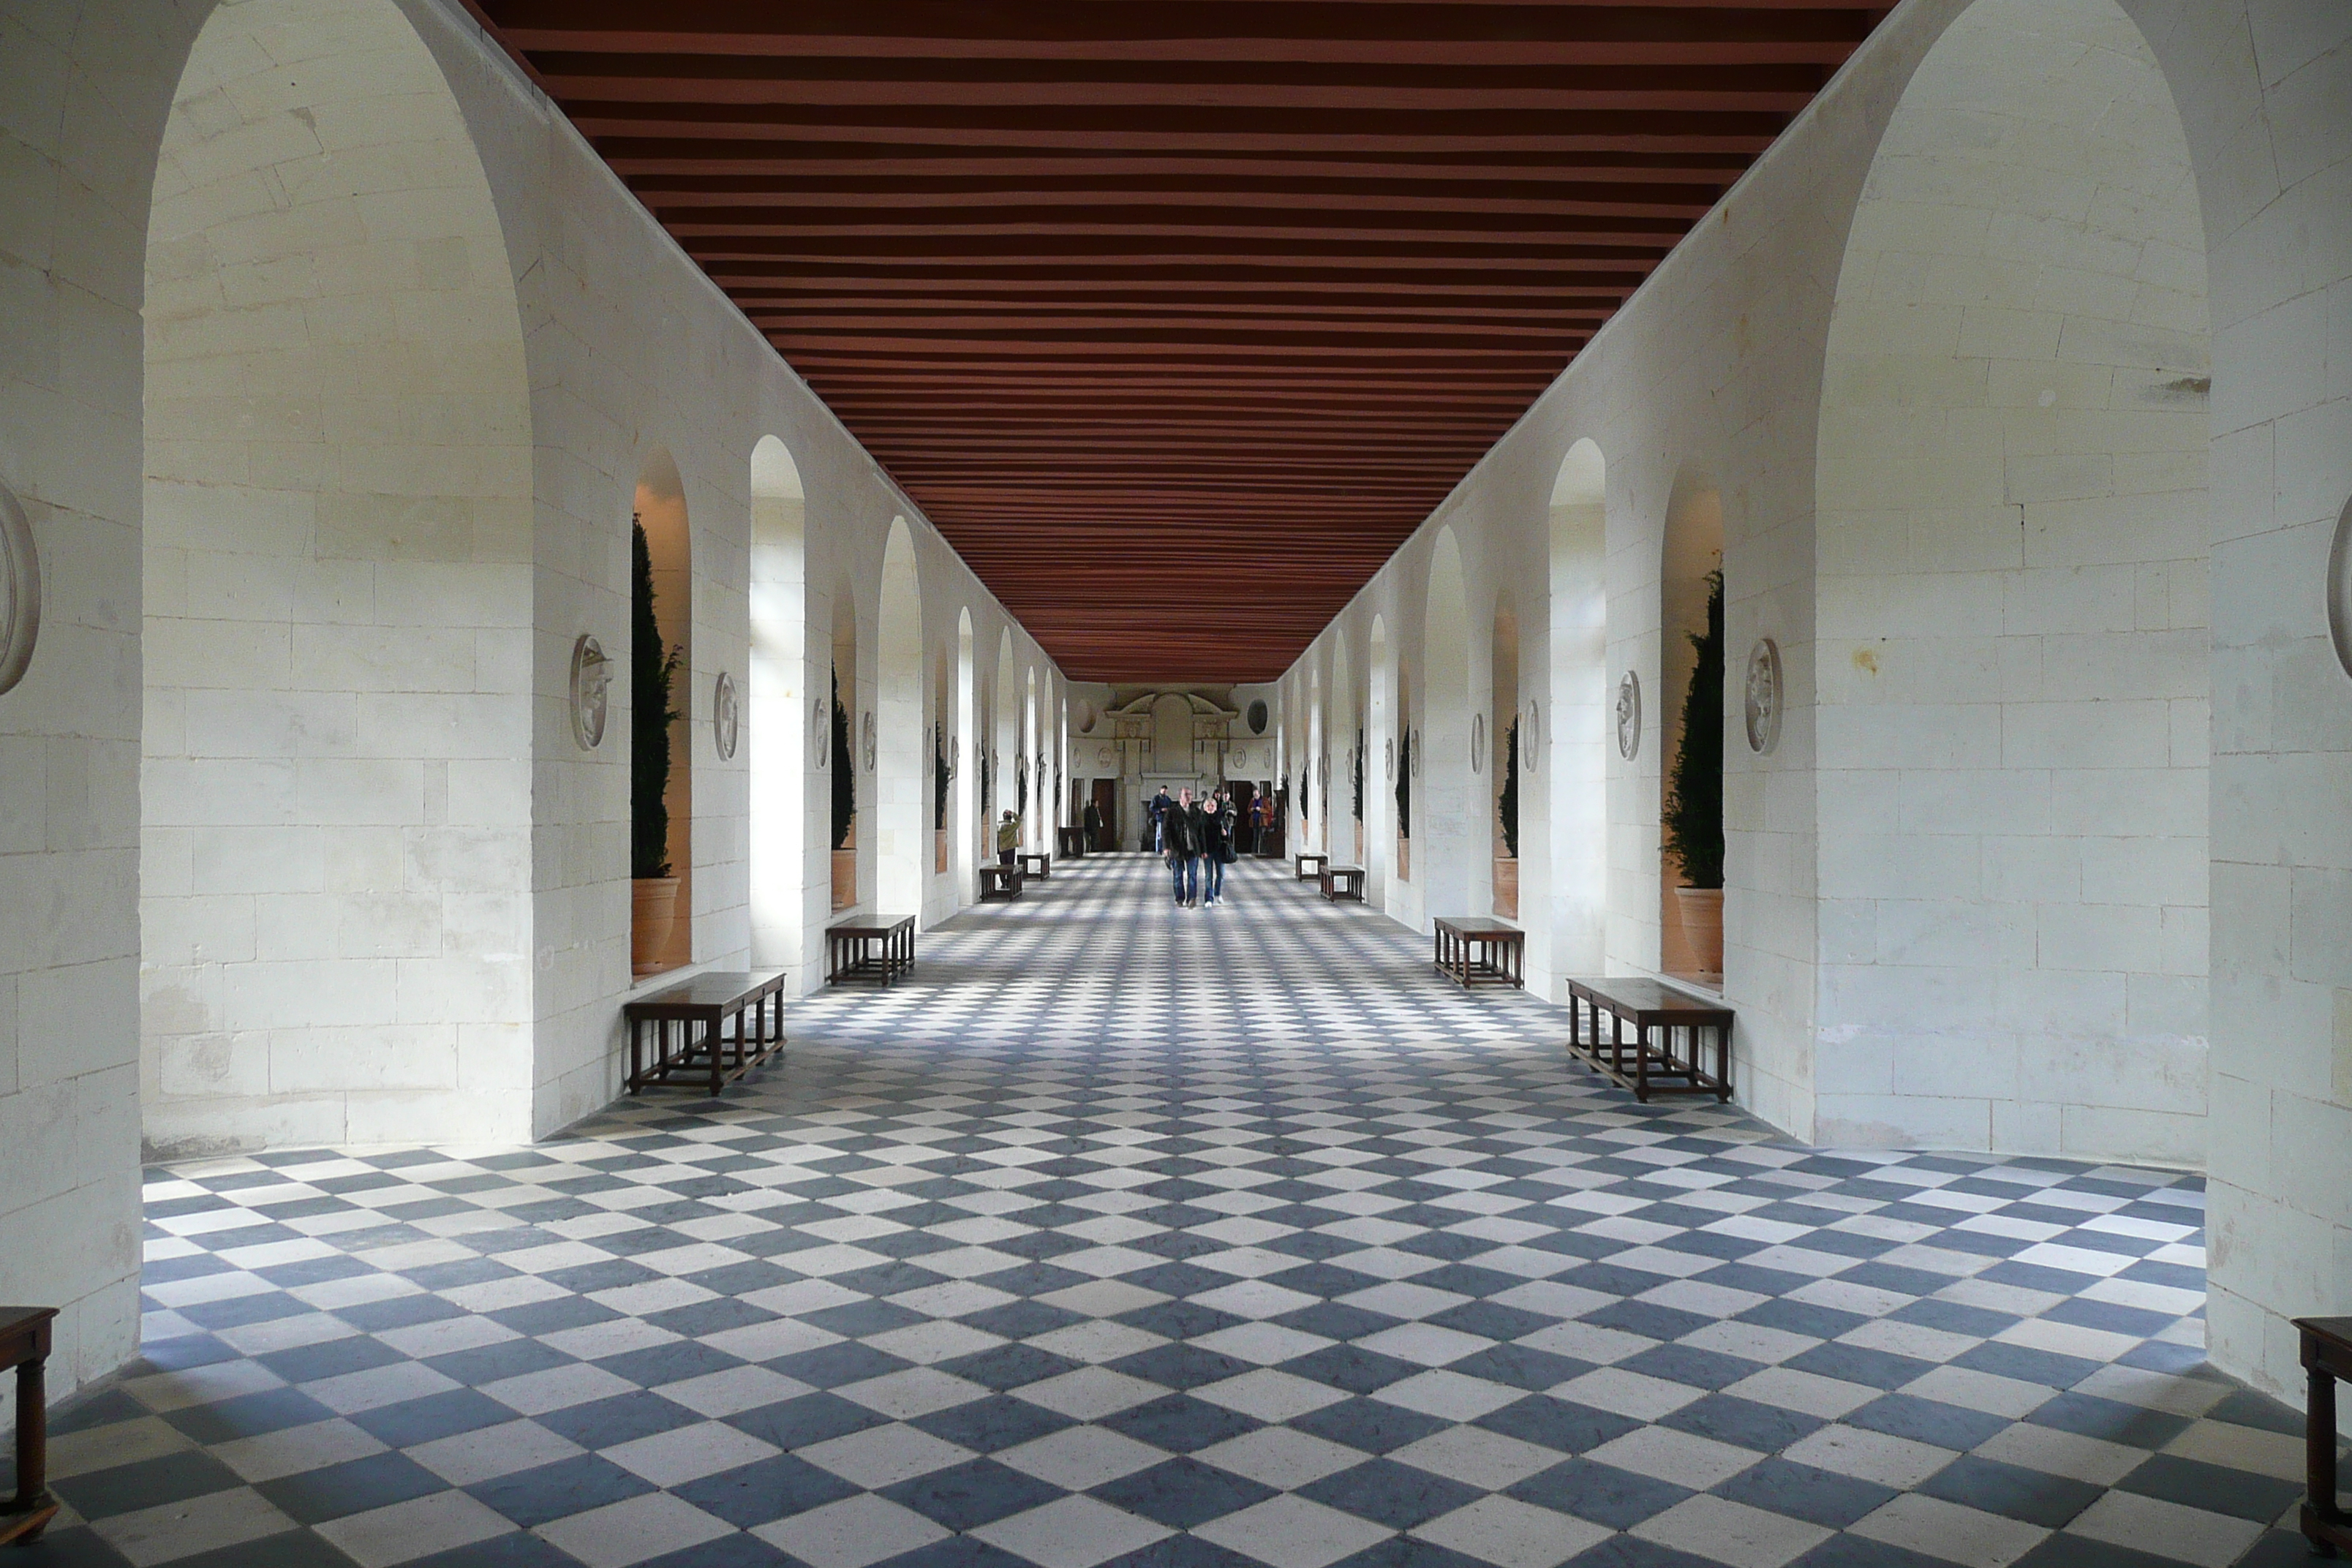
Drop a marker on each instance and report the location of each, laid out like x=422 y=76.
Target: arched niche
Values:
x=1005 y=736
x=842 y=764
x=777 y=720
x=1347 y=832
x=1442 y=806
x=661 y=756
x=902 y=759
x=2014 y=655
x=1576 y=732
x=1693 y=553
x=1506 y=792
x=336 y=557
x=965 y=742
x=1380 y=762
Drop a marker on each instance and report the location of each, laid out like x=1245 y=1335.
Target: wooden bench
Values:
x=1343 y=882
x=1034 y=863
x=999 y=882
x=1474 y=950
x=1638 y=1009
x=24 y=1345
x=689 y=1022
x=1072 y=841
x=869 y=947
x=2327 y=1356
x=1300 y=866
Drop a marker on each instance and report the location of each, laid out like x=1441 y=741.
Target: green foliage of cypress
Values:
x=1693 y=815
x=1507 y=806
x=845 y=769
x=653 y=674
x=939 y=777
x=1359 y=775
x=1404 y=782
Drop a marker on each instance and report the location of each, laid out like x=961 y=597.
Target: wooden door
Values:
x=1107 y=803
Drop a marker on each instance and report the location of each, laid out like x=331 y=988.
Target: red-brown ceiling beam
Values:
x=1459 y=136
x=1446 y=34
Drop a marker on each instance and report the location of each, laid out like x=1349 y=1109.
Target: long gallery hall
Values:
x=1194 y=784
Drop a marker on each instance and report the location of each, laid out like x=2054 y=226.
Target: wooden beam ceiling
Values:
x=1178 y=318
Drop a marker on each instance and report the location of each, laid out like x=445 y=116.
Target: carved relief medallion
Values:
x=726 y=715
x=2339 y=595
x=1764 y=694
x=20 y=592
x=592 y=679
x=1629 y=716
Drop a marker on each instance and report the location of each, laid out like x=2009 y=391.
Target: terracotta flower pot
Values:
x=845 y=877
x=1507 y=886
x=1702 y=913
x=652 y=915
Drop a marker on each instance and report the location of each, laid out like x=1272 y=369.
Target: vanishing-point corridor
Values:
x=1128 y=1234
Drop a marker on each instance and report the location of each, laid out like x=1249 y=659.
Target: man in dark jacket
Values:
x=1179 y=841
x=1217 y=846
x=1093 y=818
x=1156 y=808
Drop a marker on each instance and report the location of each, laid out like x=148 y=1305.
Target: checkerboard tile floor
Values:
x=1144 y=1236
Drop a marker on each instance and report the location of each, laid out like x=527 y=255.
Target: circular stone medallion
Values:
x=592 y=679
x=20 y=592
x=1629 y=716
x=1764 y=696
x=1531 y=733
x=2339 y=594
x=726 y=715
x=865 y=740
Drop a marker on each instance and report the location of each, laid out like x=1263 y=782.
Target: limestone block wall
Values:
x=2261 y=90
x=82 y=148
x=2012 y=669
x=412 y=343
x=336 y=785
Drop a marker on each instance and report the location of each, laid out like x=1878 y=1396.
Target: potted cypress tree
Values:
x=1359 y=802
x=940 y=773
x=845 y=804
x=1506 y=818
x=1693 y=815
x=1404 y=801
x=653 y=672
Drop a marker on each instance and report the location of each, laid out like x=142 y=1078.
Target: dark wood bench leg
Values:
x=32 y=1509
x=2321 y=1518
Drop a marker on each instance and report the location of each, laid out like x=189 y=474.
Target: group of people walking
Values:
x=1197 y=839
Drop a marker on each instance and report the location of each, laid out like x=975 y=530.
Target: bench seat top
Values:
x=714 y=988
x=1478 y=925
x=1634 y=993
x=868 y=925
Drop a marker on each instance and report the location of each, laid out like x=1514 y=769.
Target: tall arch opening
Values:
x=1032 y=768
x=1447 y=839
x=901 y=770
x=1347 y=840
x=778 y=712
x=1690 y=733
x=1005 y=741
x=1380 y=762
x=1503 y=759
x=2013 y=654
x=840 y=753
x=964 y=744
x=1573 y=769
x=661 y=749
x=336 y=559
